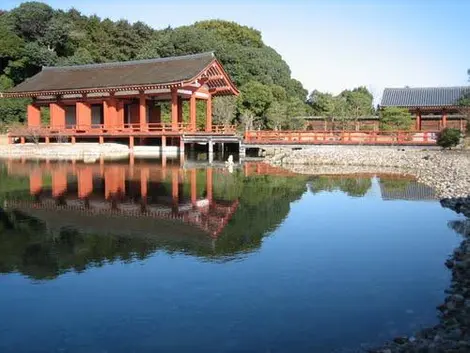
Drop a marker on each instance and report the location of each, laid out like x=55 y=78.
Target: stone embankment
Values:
x=87 y=152
x=448 y=172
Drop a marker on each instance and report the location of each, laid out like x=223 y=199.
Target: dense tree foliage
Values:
x=33 y=35
x=349 y=104
x=395 y=118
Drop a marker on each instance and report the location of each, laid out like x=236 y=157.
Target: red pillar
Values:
x=192 y=113
x=34 y=116
x=193 y=187
x=175 y=187
x=57 y=113
x=418 y=121
x=209 y=114
x=444 y=119
x=83 y=115
x=35 y=182
x=143 y=112
x=174 y=109
x=59 y=182
x=209 y=183
x=85 y=182
x=109 y=113
x=144 y=177
x=131 y=142
x=119 y=114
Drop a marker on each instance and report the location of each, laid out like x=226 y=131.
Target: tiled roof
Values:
x=117 y=74
x=423 y=97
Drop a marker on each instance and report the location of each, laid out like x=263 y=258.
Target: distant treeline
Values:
x=34 y=35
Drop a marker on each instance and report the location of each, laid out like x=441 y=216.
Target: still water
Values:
x=140 y=257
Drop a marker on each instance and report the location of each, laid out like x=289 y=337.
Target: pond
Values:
x=139 y=257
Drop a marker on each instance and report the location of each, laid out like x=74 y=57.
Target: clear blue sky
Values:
x=329 y=45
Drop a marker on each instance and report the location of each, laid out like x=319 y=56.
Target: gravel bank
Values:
x=448 y=172
x=78 y=151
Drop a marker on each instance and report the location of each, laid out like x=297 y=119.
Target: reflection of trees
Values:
x=460 y=227
x=29 y=246
x=352 y=186
x=264 y=204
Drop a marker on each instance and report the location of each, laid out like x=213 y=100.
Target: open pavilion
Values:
x=123 y=100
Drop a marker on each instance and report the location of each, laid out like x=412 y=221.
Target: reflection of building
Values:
x=403 y=189
x=143 y=191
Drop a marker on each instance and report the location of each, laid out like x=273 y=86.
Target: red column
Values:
x=119 y=114
x=444 y=119
x=85 y=182
x=35 y=182
x=193 y=187
x=142 y=112
x=209 y=114
x=109 y=113
x=174 y=109
x=57 y=113
x=34 y=116
x=144 y=177
x=209 y=183
x=418 y=121
x=83 y=115
x=59 y=182
x=175 y=187
x=192 y=112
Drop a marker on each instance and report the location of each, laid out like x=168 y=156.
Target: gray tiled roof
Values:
x=423 y=97
x=115 y=74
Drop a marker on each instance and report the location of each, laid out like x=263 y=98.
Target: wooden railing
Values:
x=342 y=137
x=115 y=130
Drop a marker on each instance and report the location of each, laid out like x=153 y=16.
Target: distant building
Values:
x=433 y=108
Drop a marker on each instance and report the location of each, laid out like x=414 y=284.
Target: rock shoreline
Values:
x=448 y=172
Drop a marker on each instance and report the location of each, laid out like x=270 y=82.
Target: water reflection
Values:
x=206 y=259
x=72 y=216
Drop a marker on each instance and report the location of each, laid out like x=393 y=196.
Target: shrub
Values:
x=449 y=138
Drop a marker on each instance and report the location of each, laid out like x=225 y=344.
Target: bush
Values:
x=449 y=138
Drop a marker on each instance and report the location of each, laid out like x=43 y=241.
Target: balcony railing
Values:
x=342 y=137
x=116 y=130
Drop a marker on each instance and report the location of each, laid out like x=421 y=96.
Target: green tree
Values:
x=449 y=138
x=31 y=19
x=394 y=118
x=224 y=109
x=255 y=98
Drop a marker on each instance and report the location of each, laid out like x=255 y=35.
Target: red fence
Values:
x=122 y=130
x=342 y=137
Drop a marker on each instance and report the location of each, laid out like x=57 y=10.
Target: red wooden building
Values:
x=433 y=108
x=123 y=99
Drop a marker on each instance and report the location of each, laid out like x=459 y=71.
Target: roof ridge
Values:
x=129 y=62
x=429 y=87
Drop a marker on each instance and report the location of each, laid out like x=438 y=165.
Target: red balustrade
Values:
x=341 y=137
